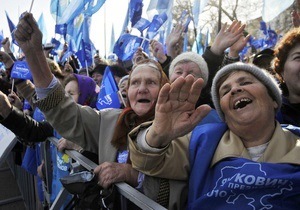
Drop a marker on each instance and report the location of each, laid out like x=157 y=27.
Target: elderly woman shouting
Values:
x=248 y=162
x=103 y=132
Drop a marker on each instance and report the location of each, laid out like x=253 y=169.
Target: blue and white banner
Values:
x=108 y=96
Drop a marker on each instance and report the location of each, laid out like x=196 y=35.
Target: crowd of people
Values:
x=193 y=131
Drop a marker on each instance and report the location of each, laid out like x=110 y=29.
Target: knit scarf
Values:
x=128 y=120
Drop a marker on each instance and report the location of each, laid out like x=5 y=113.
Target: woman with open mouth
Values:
x=249 y=161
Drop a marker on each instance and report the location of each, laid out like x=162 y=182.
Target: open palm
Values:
x=175 y=113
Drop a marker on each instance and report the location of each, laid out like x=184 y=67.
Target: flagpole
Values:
x=31 y=6
x=144 y=38
x=87 y=68
x=12 y=86
x=122 y=99
x=13 y=80
x=104 y=31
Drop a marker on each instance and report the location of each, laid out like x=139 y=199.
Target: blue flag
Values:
x=67 y=11
x=198 y=46
x=159 y=5
x=244 y=51
x=145 y=46
x=108 y=95
x=57 y=7
x=56 y=43
x=142 y=24
x=12 y=28
x=125 y=23
x=43 y=29
x=195 y=11
x=11 y=25
x=263 y=27
x=112 y=38
x=271 y=39
x=2 y=66
x=135 y=11
x=185 y=42
x=157 y=22
x=61 y=29
x=256 y=43
x=186 y=24
x=198 y=7
x=207 y=39
x=20 y=70
x=126 y=46
x=93 y=8
x=1 y=37
x=66 y=56
x=85 y=54
x=75 y=30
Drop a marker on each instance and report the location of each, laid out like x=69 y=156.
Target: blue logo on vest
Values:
x=249 y=184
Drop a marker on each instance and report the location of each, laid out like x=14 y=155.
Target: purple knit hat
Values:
x=87 y=89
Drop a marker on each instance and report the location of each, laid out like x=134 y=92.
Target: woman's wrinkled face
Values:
x=73 y=89
x=184 y=69
x=244 y=99
x=291 y=73
x=143 y=89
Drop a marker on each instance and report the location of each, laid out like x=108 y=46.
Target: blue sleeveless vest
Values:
x=238 y=183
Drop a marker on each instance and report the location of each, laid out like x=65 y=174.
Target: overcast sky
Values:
x=113 y=11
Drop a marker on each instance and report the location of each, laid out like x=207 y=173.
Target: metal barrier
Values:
x=25 y=182
x=124 y=189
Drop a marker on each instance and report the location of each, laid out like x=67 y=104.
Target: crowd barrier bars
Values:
x=124 y=189
x=25 y=182
x=47 y=183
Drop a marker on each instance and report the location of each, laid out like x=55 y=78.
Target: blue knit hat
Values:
x=262 y=75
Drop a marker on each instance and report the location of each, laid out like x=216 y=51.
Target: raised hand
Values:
x=28 y=35
x=6 y=59
x=175 y=113
x=6 y=45
x=238 y=46
x=157 y=50
x=227 y=36
x=174 y=40
x=29 y=38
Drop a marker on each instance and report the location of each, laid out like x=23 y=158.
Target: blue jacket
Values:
x=289 y=113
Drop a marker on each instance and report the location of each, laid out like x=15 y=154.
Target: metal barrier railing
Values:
x=25 y=182
x=124 y=189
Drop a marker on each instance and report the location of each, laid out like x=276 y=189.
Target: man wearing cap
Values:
x=263 y=59
x=247 y=162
